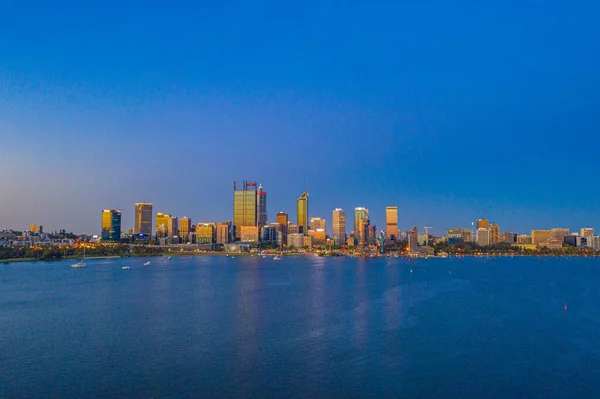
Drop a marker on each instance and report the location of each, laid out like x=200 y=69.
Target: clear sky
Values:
x=451 y=110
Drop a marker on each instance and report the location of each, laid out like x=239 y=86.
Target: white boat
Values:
x=147 y=263
x=125 y=267
x=168 y=257
x=81 y=263
x=278 y=257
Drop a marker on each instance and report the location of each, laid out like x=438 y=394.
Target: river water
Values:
x=207 y=327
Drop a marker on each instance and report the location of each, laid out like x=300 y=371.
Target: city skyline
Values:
x=451 y=115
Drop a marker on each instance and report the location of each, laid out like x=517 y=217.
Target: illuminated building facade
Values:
x=339 y=226
x=143 y=219
x=302 y=213
x=391 y=222
x=244 y=206
x=261 y=206
x=111 y=225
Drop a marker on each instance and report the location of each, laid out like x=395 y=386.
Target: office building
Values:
x=282 y=220
x=223 y=232
x=413 y=238
x=494 y=233
x=482 y=237
x=318 y=223
x=185 y=228
x=36 y=229
x=552 y=243
x=250 y=234
x=143 y=219
x=339 y=226
x=319 y=237
x=559 y=233
x=509 y=238
x=360 y=213
x=111 y=225
x=363 y=232
x=307 y=241
x=593 y=242
x=586 y=232
x=540 y=236
x=482 y=224
x=295 y=240
x=206 y=233
x=302 y=212
x=524 y=239
x=293 y=229
x=261 y=206
x=244 y=206
x=391 y=222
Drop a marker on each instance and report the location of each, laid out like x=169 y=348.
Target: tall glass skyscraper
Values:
x=261 y=206
x=111 y=225
x=339 y=226
x=303 y=213
x=244 y=205
x=143 y=218
x=360 y=214
x=391 y=222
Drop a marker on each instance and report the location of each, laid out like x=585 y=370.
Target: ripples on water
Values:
x=302 y=327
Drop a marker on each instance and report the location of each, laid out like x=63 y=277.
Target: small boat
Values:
x=125 y=267
x=168 y=257
x=147 y=263
x=277 y=257
x=81 y=263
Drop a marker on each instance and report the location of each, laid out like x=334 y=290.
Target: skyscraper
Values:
x=360 y=213
x=339 y=226
x=282 y=220
x=261 y=206
x=171 y=228
x=143 y=218
x=483 y=224
x=303 y=213
x=111 y=225
x=223 y=232
x=318 y=223
x=185 y=228
x=483 y=237
x=494 y=233
x=244 y=205
x=587 y=232
x=391 y=222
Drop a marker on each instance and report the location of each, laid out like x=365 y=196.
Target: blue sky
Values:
x=451 y=110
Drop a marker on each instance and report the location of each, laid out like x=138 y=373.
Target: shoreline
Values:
x=295 y=255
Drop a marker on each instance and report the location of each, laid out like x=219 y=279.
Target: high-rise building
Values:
x=170 y=222
x=282 y=220
x=339 y=226
x=363 y=232
x=508 y=237
x=302 y=212
x=540 y=236
x=391 y=222
x=295 y=240
x=586 y=232
x=111 y=225
x=413 y=238
x=319 y=237
x=36 y=229
x=524 y=239
x=250 y=234
x=482 y=237
x=143 y=219
x=483 y=224
x=223 y=232
x=185 y=228
x=261 y=206
x=318 y=223
x=206 y=233
x=244 y=206
x=559 y=233
x=360 y=213
x=494 y=233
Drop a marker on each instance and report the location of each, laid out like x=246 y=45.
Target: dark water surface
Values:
x=302 y=327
